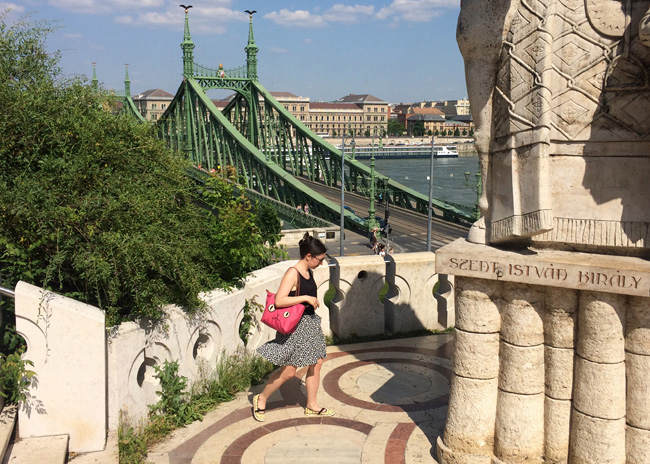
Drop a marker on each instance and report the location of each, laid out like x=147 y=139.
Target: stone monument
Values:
x=552 y=359
x=560 y=94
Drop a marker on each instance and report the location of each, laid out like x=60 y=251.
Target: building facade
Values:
x=152 y=103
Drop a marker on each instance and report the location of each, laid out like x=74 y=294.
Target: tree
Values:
x=367 y=133
x=395 y=127
x=418 y=129
x=93 y=205
x=464 y=132
x=457 y=132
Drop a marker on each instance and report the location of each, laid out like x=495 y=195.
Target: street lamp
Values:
x=342 y=231
x=429 y=210
x=372 y=222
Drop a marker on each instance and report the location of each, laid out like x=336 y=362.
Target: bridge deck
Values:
x=409 y=228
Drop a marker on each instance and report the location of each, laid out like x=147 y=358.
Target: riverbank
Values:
x=367 y=141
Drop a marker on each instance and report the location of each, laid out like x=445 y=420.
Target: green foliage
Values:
x=132 y=442
x=93 y=206
x=233 y=374
x=174 y=403
x=266 y=219
x=418 y=129
x=250 y=308
x=235 y=238
x=15 y=378
x=457 y=132
x=395 y=127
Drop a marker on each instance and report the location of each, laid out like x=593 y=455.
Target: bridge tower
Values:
x=251 y=51
x=188 y=72
x=95 y=82
x=127 y=82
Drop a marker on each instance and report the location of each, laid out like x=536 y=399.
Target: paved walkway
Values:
x=390 y=399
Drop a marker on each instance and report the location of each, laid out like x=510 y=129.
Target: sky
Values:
x=396 y=50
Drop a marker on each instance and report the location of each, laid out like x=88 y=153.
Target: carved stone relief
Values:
x=564 y=119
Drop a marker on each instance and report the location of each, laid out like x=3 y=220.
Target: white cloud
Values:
x=203 y=20
x=416 y=10
x=124 y=19
x=167 y=18
x=104 y=6
x=348 y=14
x=11 y=6
x=299 y=18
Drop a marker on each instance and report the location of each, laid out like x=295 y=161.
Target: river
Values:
x=449 y=180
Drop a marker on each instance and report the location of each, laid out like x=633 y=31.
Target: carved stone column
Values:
x=469 y=433
x=570 y=380
x=637 y=360
x=598 y=422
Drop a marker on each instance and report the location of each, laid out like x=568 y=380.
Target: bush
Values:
x=93 y=206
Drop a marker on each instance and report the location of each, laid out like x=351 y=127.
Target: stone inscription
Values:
x=553 y=274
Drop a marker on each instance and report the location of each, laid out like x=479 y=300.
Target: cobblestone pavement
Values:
x=390 y=399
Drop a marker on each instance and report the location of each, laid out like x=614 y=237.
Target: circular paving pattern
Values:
x=390 y=404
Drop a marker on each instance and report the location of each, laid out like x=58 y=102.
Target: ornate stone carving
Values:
x=560 y=92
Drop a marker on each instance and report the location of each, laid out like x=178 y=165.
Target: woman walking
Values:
x=305 y=346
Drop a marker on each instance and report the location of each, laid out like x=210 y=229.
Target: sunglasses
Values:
x=320 y=260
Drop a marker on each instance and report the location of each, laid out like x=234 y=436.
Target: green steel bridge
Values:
x=270 y=148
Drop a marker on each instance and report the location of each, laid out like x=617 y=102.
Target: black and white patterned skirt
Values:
x=304 y=347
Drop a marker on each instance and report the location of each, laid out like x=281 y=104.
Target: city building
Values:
x=431 y=123
x=453 y=108
x=376 y=113
x=152 y=103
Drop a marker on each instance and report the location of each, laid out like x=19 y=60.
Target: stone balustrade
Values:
x=87 y=375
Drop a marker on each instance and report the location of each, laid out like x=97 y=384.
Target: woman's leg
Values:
x=311 y=382
x=277 y=379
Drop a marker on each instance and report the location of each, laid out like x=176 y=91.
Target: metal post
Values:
x=342 y=232
x=372 y=222
x=429 y=211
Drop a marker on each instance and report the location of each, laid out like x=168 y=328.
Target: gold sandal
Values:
x=258 y=413
x=324 y=412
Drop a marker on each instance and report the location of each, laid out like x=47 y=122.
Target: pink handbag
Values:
x=284 y=320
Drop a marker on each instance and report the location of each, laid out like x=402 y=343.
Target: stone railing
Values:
x=87 y=375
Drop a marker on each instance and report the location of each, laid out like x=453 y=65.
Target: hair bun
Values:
x=305 y=239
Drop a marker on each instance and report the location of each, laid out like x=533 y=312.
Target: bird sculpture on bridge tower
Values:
x=250 y=13
x=187 y=7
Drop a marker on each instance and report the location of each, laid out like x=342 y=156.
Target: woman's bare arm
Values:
x=289 y=281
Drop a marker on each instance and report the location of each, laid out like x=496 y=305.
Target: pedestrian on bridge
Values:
x=304 y=347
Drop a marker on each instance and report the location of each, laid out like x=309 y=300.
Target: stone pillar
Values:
x=573 y=360
x=559 y=342
x=598 y=423
x=637 y=358
x=519 y=431
x=469 y=432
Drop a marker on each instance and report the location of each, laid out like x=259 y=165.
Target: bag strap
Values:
x=298 y=283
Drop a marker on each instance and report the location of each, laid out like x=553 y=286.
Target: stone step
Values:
x=7 y=424
x=51 y=450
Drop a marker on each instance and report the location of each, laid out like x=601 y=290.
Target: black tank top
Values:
x=307 y=287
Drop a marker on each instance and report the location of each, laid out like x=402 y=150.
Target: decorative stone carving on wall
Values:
x=560 y=95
